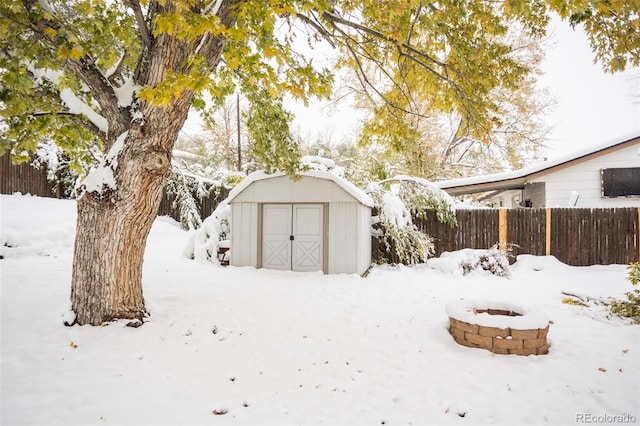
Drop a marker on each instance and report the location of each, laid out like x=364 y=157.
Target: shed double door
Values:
x=292 y=237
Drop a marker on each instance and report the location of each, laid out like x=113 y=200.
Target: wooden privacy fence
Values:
x=575 y=236
x=24 y=178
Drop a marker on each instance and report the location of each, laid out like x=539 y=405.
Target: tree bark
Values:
x=113 y=225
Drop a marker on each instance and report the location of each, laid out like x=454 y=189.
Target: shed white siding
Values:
x=342 y=249
x=244 y=233
x=363 y=239
x=584 y=178
x=349 y=238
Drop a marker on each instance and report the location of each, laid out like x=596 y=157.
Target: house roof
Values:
x=361 y=196
x=517 y=178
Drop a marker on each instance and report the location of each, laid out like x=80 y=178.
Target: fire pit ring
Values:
x=499 y=327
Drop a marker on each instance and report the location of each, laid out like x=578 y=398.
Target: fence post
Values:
x=502 y=229
x=547 y=236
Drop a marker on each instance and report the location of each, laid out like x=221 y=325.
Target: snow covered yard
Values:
x=245 y=346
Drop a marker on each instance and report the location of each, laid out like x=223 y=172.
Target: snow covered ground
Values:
x=246 y=346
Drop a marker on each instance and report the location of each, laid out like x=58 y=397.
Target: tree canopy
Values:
x=72 y=71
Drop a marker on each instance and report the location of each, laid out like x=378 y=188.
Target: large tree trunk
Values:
x=113 y=225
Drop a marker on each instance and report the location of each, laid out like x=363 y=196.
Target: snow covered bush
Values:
x=493 y=260
x=203 y=245
x=466 y=261
x=189 y=184
x=629 y=308
x=398 y=201
x=187 y=190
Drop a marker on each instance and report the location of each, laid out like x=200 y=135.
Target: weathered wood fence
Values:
x=24 y=178
x=576 y=236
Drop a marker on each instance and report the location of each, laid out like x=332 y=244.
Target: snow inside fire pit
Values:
x=501 y=328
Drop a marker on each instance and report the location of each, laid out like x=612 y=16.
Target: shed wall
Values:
x=343 y=242
x=349 y=238
x=244 y=234
x=364 y=239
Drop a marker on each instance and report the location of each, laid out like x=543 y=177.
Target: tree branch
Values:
x=212 y=47
x=326 y=35
x=365 y=82
x=87 y=125
x=87 y=71
x=145 y=34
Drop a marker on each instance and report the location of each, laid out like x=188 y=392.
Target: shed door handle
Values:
x=291 y=238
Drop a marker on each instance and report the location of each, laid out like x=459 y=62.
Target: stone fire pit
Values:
x=498 y=327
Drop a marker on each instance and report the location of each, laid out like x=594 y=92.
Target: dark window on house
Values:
x=621 y=182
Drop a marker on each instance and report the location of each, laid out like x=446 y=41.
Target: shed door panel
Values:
x=307 y=233
x=292 y=237
x=276 y=228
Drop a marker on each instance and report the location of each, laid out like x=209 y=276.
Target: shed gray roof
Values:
x=358 y=194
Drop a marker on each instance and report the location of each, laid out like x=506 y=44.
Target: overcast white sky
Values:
x=592 y=107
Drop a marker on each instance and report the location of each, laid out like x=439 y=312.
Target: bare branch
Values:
x=365 y=82
x=145 y=34
x=326 y=35
x=117 y=72
x=86 y=124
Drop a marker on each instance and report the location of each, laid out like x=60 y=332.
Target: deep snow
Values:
x=270 y=347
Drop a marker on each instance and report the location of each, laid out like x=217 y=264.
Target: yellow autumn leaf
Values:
x=296 y=92
x=176 y=91
x=50 y=32
x=270 y=51
x=233 y=62
x=164 y=25
x=76 y=52
x=73 y=345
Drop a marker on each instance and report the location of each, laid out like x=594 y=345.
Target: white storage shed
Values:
x=320 y=222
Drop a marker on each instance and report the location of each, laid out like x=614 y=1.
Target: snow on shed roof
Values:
x=361 y=196
x=506 y=180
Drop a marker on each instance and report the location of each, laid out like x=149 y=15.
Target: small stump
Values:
x=498 y=327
